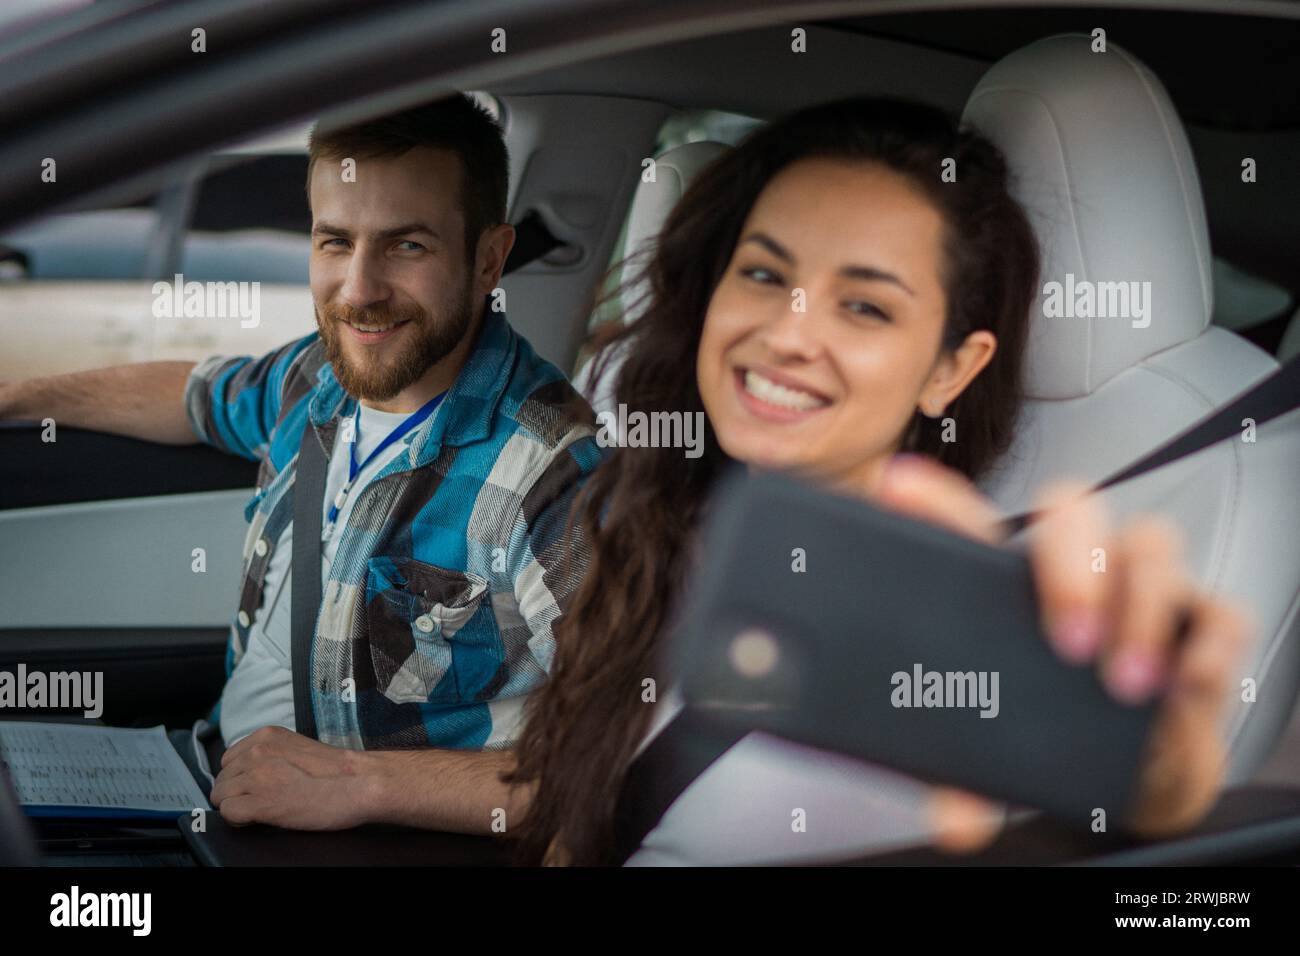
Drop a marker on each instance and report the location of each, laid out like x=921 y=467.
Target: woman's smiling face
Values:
x=823 y=336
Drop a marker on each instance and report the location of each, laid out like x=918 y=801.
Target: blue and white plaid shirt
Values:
x=466 y=532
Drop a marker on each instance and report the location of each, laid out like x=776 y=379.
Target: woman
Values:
x=826 y=296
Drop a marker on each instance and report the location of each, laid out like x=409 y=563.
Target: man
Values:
x=454 y=453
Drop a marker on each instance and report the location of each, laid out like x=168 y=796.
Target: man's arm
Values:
x=145 y=400
x=230 y=403
x=470 y=798
x=276 y=776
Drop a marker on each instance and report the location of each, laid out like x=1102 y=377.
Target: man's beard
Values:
x=429 y=341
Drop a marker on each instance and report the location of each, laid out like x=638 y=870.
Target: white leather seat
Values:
x=1104 y=168
x=651 y=204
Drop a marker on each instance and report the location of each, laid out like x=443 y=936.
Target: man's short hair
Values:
x=456 y=124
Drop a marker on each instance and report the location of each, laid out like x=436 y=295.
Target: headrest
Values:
x=654 y=200
x=1101 y=163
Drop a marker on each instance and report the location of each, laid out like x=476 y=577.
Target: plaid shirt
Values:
x=437 y=614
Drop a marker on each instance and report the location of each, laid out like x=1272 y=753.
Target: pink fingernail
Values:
x=1133 y=676
x=1078 y=635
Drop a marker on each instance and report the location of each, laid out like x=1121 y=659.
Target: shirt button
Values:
x=243 y=619
x=424 y=623
x=261 y=547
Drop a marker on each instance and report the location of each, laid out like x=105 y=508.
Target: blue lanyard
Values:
x=413 y=420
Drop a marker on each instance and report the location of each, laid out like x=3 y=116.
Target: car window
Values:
x=108 y=243
x=98 y=287
x=72 y=294
x=250 y=221
x=80 y=290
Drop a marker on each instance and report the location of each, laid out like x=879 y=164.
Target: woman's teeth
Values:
x=774 y=394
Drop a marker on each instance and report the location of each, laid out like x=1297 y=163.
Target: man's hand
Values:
x=279 y=777
x=282 y=778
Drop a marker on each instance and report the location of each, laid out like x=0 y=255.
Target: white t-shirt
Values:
x=767 y=800
x=259 y=692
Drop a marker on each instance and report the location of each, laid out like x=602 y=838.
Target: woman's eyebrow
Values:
x=867 y=273
x=770 y=244
x=872 y=274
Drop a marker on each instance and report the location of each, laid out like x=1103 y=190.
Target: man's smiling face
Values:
x=394 y=290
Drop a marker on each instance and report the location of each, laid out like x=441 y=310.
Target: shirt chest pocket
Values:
x=432 y=635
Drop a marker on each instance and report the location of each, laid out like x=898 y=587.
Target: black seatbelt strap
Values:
x=532 y=241
x=1262 y=402
x=690 y=743
x=308 y=503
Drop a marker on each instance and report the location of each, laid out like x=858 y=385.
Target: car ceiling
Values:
x=1233 y=79
x=1226 y=74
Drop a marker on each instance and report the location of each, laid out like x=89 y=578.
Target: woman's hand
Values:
x=1122 y=620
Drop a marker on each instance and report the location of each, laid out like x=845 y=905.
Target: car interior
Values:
x=1129 y=163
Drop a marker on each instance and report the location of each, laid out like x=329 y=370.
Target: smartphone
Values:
x=834 y=623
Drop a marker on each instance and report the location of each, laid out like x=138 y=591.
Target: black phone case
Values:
x=881 y=595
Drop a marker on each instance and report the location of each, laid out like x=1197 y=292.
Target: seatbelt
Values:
x=532 y=241
x=1275 y=395
x=691 y=743
x=308 y=501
